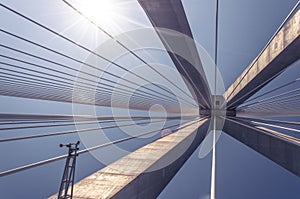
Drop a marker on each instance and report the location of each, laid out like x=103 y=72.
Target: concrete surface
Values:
x=145 y=172
x=282 y=149
x=282 y=51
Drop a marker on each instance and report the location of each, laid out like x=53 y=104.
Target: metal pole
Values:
x=69 y=171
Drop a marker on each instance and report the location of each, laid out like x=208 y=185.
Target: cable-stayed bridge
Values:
x=183 y=103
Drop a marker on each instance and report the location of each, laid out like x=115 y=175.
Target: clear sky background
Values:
x=244 y=28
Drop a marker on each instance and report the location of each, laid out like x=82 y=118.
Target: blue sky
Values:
x=245 y=27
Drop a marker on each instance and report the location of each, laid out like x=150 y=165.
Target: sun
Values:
x=101 y=12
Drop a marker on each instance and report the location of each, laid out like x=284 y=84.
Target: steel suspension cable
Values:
x=125 y=47
x=80 y=123
x=273 y=90
x=47 y=68
x=44 y=94
x=41 y=76
x=7 y=119
x=81 y=62
x=291 y=104
x=86 y=49
x=65 y=124
x=73 y=131
x=47 y=161
x=279 y=100
x=86 y=85
x=279 y=28
x=270 y=121
x=214 y=158
x=261 y=85
x=270 y=98
x=267 y=123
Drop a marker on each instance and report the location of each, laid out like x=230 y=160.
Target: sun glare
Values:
x=101 y=12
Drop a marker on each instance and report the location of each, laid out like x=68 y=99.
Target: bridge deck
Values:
x=145 y=172
x=281 y=52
